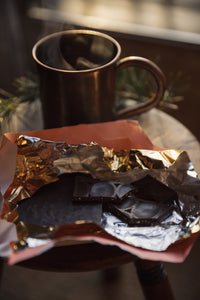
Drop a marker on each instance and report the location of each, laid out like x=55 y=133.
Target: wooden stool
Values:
x=94 y=256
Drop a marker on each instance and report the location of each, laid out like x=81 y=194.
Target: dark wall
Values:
x=18 y=33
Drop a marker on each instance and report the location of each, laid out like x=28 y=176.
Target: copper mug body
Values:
x=72 y=96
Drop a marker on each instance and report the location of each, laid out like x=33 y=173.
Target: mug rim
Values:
x=80 y=31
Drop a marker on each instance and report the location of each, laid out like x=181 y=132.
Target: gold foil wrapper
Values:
x=40 y=162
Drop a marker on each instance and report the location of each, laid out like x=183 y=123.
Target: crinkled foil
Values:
x=40 y=162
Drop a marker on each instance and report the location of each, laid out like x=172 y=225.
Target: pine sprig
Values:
x=133 y=84
x=138 y=86
x=26 y=89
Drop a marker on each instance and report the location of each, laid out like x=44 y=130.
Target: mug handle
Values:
x=136 y=61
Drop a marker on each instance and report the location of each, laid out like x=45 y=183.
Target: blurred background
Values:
x=165 y=31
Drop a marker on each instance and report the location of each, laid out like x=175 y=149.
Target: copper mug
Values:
x=77 y=70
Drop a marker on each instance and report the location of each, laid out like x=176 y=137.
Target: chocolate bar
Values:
x=52 y=205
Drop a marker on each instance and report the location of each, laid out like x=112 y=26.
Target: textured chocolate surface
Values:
x=88 y=189
x=135 y=211
x=151 y=203
x=52 y=205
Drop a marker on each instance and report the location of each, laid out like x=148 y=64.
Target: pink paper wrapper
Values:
x=117 y=135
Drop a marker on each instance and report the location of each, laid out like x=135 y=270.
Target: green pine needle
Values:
x=27 y=89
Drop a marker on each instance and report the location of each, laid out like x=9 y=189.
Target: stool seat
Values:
x=78 y=258
x=93 y=256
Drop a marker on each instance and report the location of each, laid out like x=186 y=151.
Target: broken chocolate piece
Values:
x=152 y=202
x=135 y=211
x=52 y=205
x=149 y=188
x=88 y=189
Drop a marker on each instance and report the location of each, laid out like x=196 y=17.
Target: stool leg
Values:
x=154 y=280
x=1 y=268
x=111 y=275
